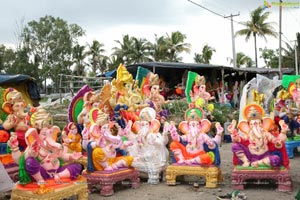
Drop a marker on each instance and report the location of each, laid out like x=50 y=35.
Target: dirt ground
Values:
x=186 y=189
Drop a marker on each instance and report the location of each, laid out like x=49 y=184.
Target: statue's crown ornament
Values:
x=194 y=114
x=253 y=111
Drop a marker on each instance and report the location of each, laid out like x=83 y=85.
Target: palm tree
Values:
x=78 y=56
x=206 y=55
x=257 y=26
x=289 y=53
x=140 y=51
x=242 y=60
x=125 y=48
x=159 y=49
x=175 y=44
x=96 y=50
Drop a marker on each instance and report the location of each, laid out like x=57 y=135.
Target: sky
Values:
x=109 y=20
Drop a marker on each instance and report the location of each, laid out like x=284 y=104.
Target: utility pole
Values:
x=233 y=40
x=280 y=57
x=296 y=58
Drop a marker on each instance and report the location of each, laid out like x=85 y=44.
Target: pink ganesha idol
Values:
x=256 y=146
x=195 y=146
x=42 y=159
x=14 y=105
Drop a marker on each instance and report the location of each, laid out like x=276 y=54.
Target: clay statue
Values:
x=42 y=158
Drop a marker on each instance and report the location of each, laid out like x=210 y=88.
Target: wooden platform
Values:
x=212 y=174
x=107 y=179
x=60 y=191
x=282 y=177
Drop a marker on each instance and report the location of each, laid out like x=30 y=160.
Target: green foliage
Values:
x=176 y=107
x=270 y=57
x=50 y=41
x=223 y=113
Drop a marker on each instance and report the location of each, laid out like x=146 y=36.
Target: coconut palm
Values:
x=125 y=48
x=175 y=44
x=242 y=60
x=257 y=26
x=159 y=49
x=78 y=58
x=96 y=50
x=206 y=55
x=289 y=53
x=140 y=51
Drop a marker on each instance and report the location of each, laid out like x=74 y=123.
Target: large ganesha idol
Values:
x=149 y=145
x=259 y=152
x=195 y=146
x=257 y=146
x=42 y=161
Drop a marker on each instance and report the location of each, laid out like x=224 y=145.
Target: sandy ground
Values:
x=186 y=189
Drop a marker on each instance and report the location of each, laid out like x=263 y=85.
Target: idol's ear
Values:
x=55 y=131
x=154 y=126
x=205 y=125
x=244 y=126
x=184 y=127
x=136 y=127
x=32 y=136
x=267 y=123
x=7 y=107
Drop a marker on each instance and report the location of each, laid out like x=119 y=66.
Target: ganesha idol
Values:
x=195 y=152
x=102 y=145
x=257 y=146
x=14 y=105
x=42 y=160
x=259 y=153
x=149 y=145
x=195 y=146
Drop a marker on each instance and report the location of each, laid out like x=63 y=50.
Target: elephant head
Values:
x=194 y=122
x=255 y=122
x=147 y=122
x=42 y=121
x=13 y=102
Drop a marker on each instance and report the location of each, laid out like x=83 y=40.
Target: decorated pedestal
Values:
x=67 y=188
x=240 y=175
x=107 y=179
x=212 y=174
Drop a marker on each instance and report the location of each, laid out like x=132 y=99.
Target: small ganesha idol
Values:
x=195 y=152
x=195 y=146
x=42 y=160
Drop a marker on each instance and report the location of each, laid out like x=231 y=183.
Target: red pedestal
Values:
x=107 y=179
x=281 y=176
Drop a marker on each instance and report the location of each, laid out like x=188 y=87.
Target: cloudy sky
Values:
x=108 y=20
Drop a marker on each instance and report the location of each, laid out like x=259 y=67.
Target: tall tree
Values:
x=159 y=49
x=206 y=55
x=96 y=51
x=50 y=41
x=257 y=26
x=289 y=53
x=270 y=57
x=140 y=51
x=124 y=50
x=175 y=44
x=242 y=60
x=78 y=58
